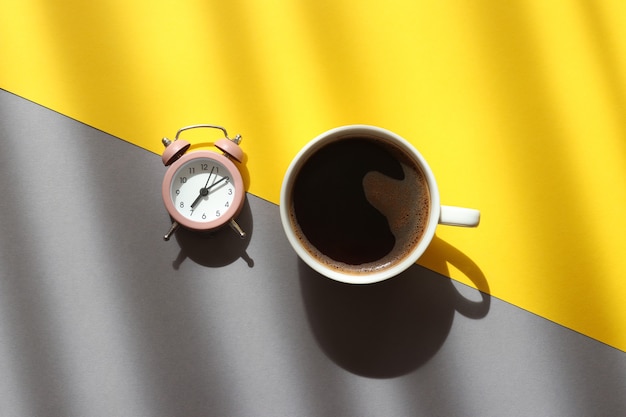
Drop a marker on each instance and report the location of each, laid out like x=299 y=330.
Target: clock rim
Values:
x=236 y=179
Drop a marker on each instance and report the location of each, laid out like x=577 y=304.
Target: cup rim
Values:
x=350 y=131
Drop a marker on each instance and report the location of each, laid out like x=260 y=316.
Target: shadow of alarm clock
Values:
x=203 y=190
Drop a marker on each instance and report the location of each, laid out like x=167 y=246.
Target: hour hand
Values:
x=214 y=184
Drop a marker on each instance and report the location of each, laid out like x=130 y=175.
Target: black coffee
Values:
x=360 y=203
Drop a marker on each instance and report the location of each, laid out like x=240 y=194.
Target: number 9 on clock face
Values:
x=203 y=190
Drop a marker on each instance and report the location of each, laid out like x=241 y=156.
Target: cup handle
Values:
x=459 y=216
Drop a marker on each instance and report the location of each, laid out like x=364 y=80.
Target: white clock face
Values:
x=202 y=190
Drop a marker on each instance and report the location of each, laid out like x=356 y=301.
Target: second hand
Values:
x=203 y=191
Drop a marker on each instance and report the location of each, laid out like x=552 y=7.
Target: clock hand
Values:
x=203 y=193
x=216 y=183
x=203 y=190
x=208 y=179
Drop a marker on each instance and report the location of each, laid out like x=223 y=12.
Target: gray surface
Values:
x=100 y=317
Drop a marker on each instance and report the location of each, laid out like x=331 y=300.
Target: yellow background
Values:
x=518 y=106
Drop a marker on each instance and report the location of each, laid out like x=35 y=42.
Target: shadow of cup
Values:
x=390 y=328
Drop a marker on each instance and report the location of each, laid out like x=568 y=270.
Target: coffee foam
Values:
x=404 y=203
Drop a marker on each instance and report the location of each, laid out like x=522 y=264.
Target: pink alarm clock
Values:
x=203 y=190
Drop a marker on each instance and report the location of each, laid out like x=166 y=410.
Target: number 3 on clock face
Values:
x=203 y=190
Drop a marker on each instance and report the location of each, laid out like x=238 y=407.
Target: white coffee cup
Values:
x=435 y=213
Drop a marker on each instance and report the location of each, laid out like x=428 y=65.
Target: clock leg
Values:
x=237 y=229
x=171 y=231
